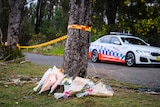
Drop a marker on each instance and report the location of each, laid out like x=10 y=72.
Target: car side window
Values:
x=113 y=39
x=105 y=39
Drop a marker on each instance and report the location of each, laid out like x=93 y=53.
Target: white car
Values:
x=119 y=47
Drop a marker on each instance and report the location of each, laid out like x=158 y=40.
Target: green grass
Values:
x=54 y=49
x=58 y=49
x=21 y=95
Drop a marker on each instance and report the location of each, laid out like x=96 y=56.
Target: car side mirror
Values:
x=148 y=44
x=117 y=42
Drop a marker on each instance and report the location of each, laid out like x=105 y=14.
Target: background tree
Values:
x=4 y=14
x=27 y=24
x=53 y=22
x=39 y=14
x=104 y=16
x=51 y=8
x=110 y=12
x=77 y=44
x=15 y=13
x=141 y=18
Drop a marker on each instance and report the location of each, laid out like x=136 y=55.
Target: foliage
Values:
x=37 y=39
x=10 y=54
x=149 y=28
x=27 y=30
x=56 y=27
x=141 y=20
x=98 y=17
x=50 y=29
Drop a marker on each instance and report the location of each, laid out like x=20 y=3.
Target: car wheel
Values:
x=130 y=59
x=94 y=56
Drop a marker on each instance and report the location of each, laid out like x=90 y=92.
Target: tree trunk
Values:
x=4 y=14
x=39 y=14
x=77 y=44
x=50 y=9
x=111 y=10
x=1 y=6
x=16 y=7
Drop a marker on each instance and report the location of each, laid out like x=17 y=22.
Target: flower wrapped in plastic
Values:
x=50 y=80
x=76 y=86
x=101 y=88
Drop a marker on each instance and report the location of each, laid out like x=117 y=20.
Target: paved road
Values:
x=148 y=76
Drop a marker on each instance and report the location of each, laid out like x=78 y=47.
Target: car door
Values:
x=104 y=48
x=115 y=50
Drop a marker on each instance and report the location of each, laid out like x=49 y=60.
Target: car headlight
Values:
x=143 y=52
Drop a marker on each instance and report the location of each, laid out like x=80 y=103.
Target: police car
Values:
x=123 y=48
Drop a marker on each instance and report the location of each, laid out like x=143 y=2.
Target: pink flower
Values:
x=66 y=93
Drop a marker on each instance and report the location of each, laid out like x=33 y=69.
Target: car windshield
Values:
x=132 y=41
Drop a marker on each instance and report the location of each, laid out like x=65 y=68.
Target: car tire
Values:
x=130 y=59
x=94 y=56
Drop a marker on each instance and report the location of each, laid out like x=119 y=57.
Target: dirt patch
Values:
x=19 y=80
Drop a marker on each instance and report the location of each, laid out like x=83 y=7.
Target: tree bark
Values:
x=39 y=14
x=16 y=7
x=77 y=44
x=50 y=9
x=111 y=10
x=4 y=17
x=1 y=6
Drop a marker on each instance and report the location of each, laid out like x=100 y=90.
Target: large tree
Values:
x=16 y=7
x=39 y=14
x=77 y=44
x=111 y=7
x=4 y=14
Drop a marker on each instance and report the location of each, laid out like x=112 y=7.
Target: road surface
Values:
x=147 y=76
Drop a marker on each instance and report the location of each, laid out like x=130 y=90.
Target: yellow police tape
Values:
x=74 y=26
x=43 y=44
x=81 y=27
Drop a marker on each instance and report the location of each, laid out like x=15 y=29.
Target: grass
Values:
x=20 y=95
x=55 y=49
